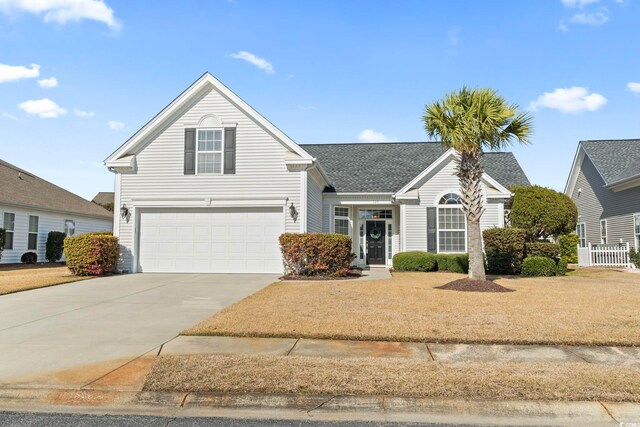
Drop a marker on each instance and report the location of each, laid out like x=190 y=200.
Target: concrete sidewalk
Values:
x=621 y=356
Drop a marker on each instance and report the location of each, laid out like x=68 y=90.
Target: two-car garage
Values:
x=216 y=240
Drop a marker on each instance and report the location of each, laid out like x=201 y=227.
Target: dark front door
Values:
x=375 y=242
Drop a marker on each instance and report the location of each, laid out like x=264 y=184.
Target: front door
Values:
x=375 y=242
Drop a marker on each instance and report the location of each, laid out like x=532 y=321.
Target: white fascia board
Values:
x=573 y=173
x=624 y=184
x=444 y=157
x=207 y=202
x=203 y=82
x=123 y=164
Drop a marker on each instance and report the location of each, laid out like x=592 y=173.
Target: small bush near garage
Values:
x=92 y=254
x=29 y=258
x=3 y=240
x=539 y=266
x=562 y=267
x=414 y=261
x=504 y=250
x=545 y=249
x=569 y=247
x=316 y=254
x=55 y=246
x=455 y=263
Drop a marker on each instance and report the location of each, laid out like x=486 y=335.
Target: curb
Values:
x=317 y=407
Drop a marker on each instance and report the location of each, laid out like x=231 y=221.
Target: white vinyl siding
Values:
x=260 y=168
x=443 y=180
x=47 y=221
x=314 y=202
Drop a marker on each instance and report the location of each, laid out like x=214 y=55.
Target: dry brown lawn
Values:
x=21 y=278
x=394 y=377
x=591 y=307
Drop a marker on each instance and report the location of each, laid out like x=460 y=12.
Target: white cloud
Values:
x=84 y=114
x=261 y=63
x=115 y=125
x=50 y=82
x=578 y=3
x=634 y=87
x=569 y=100
x=595 y=18
x=63 y=11
x=12 y=73
x=44 y=108
x=369 y=135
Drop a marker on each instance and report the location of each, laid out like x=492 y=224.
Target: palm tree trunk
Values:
x=469 y=171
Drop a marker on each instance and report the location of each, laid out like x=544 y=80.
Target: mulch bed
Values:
x=470 y=285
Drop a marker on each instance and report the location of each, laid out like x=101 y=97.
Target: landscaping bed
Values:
x=22 y=277
x=394 y=377
x=587 y=307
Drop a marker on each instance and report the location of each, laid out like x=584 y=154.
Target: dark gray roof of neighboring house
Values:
x=615 y=159
x=104 y=197
x=20 y=187
x=387 y=167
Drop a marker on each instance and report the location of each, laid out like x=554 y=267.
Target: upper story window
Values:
x=9 y=222
x=209 y=150
x=32 y=242
x=341 y=220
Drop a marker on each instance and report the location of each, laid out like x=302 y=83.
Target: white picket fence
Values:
x=604 y=255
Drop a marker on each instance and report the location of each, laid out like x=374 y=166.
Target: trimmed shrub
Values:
x=316 y=254
x=3 y=240
x=569 y=247
x=29 y=258
x=562 y=267
x=542 y=212
x=55 y=246
x=539 y=266
x=634 y=257
x=455 y=263
x=414 y=261
x=92 y=254
x=504 y=249
x=548 y=249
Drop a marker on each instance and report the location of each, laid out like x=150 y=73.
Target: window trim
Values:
x=12 y=231
x=66 y=230
x=584 y=230
x=29 y=232
x=221 y=152
x=633 y=230
x=606 y=232
x=342 y=217
x=438 y=229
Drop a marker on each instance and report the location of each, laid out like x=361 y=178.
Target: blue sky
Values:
x=323 y=72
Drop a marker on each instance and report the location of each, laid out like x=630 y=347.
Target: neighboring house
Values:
x=209 y=184
x=104 y=199
x=604 y=182
x=31 y=207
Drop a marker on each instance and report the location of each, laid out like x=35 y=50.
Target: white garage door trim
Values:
x=210 y=240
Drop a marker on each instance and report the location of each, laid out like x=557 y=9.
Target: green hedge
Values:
x=29 y=257
x=545 y=249
x=504 y=250
x=55 y=246
x=634 y=257
x=414 y=261
x=3 y=240
x=569 y=247
x=316 y=254
x=92 y=254
x=539 y=266
x=562 y=267
x=455 y=263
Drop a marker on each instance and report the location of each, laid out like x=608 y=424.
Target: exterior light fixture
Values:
x=124 y=211
x=293 y=212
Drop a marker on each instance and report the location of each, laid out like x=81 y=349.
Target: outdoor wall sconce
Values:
x=293 y=212
x=124 y=211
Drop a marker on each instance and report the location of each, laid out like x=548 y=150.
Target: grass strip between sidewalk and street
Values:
x=394 y=377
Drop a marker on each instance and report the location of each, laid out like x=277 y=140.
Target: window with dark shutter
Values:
x=190 y=151
x=432 y=226
x=230 y=150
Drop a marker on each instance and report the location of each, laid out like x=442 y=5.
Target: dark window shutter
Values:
x=230 y=150
x=190 y=151
x=432 y=229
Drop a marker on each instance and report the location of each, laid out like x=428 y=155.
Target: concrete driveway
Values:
x=76 y=333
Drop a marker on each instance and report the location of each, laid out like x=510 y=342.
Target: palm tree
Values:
x=470 y=121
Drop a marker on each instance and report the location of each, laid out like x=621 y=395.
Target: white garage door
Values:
x=224 y=240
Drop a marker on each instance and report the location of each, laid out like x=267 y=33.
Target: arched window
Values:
x=452 y=224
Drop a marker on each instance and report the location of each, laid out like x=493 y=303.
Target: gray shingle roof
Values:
x=616 y=160
x=23 y=188
x=387 y=167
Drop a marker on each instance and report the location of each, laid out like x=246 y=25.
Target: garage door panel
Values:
x=232 y=240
